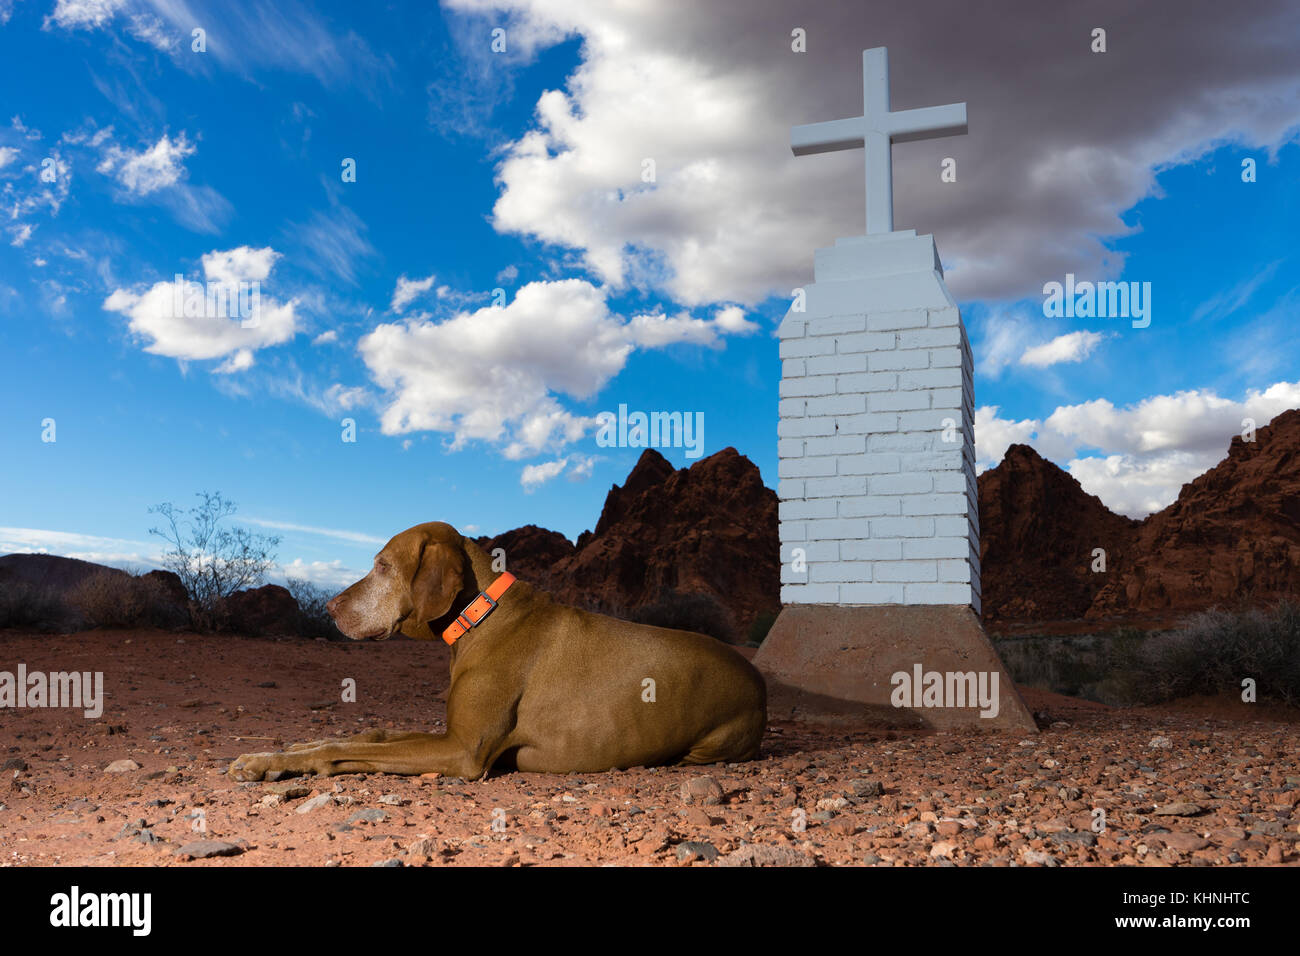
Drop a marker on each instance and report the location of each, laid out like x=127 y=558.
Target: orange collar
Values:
x=477 y=609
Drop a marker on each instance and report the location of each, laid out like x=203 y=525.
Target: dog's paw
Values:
x=268 y=766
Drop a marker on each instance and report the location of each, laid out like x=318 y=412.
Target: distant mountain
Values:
x=1232 y=536
x=50 y=571
x=710 y=529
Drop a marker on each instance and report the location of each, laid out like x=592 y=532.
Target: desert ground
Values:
x=1198 y=783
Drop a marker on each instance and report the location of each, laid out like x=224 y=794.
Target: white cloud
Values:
x=710 y=91
x=494 y=374
x=158 y=314
x=577 y=466
x=1146 y=451
x=335 y=243
x=20 y=234
x=148 y=170
x=7 y=155
x=656 y=329
x=331 y=575
x=407 y=290
x=326 y=338
x=115 y=552
x=279 y=35
x=534 y=476
x=1071 y=347
x=244 y=264
x=83 y=14
x=157 y=173
x=149 y=29
x=353 y=537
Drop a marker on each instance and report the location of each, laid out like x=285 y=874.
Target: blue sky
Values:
x=522 y=170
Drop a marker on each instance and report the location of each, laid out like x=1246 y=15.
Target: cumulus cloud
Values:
x=1136 y=458
x=709 y=93
x=83 y=14
x=157 y=173
x=1071 y=347
x=496 y=374
x=148 y=170
x=227 y=318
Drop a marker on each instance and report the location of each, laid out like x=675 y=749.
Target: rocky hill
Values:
x=1231 y=537
x=710 y=529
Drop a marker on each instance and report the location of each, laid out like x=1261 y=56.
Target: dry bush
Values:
x=27 y=606
x=311 y=599
x=117 y=599
x=686 y=612
x=1211 y=653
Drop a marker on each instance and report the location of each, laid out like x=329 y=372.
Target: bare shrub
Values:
x=213 y=560
x=118 y=599
x=24 y=605
x=311 y=599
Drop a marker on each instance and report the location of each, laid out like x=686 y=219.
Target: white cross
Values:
x=875 y=131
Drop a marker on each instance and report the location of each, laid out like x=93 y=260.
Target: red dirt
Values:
x=182 y=705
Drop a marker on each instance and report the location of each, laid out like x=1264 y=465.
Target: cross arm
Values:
x=930 y=122
x=827 y=137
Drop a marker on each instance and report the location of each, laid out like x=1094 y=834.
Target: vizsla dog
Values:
x=535 y=685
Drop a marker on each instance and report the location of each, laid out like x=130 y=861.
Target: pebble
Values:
x=691 y=850
x=316 y=802
x=703 y=790
x=126 y=765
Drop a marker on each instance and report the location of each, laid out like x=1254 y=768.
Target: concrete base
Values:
x=837 y=665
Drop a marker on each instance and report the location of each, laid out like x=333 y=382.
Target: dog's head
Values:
x=415 y=579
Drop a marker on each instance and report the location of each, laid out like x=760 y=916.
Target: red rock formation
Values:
x=709 y=529
x=1233 y=535
x=1038 y=530
x=269 y=609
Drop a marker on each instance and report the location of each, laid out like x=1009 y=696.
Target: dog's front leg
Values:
x=411 y=754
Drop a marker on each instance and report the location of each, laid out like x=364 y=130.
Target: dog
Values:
x=536 y=686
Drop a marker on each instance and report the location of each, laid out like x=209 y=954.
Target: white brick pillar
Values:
x=878 y=501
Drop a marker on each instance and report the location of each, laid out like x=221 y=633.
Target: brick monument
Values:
x=879 y=511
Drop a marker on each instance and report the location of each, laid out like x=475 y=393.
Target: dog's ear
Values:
x=438 y=580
